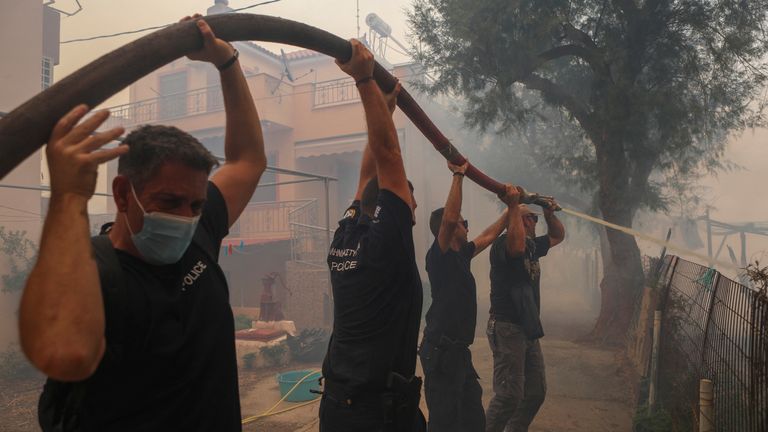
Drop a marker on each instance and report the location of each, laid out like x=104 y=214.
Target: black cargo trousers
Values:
x=396 y=410
x=519 y=384
x=451 y=388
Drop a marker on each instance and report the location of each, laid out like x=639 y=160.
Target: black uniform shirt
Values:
x=175 y=367
x=515 y=291
x=377 y=297
x=453 y=312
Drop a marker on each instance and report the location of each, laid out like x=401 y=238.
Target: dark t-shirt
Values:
x=515 y=294
x=175 y=368
x=377 y=297
x=453 y=312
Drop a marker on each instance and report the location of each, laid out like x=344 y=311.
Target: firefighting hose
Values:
x=25 y=129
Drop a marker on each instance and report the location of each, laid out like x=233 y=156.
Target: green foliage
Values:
x=274 y=355
x=21 y=254
x=242 y=322
x=249 y=360
x=14 y=366
x=623 y=103
x=631 y=100
x=759 y=277
x=646 y=421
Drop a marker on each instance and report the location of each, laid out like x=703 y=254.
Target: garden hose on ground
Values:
x=271 y=411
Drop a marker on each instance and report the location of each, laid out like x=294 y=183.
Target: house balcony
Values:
x=271 y=221
x=266 y=222
x=203 y=108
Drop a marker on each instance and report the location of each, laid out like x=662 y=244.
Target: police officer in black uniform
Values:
x=369 y=382
x=134 y=329
x=454 y=396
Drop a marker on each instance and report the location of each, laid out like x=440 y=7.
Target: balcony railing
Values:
x=270 y=220
x=309 y=242
x=335 y=92
x=278 y=220
x=204 y=100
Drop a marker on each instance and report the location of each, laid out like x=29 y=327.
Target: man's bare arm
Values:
x=491 y=233
x=555 y=228
x=382 y=136
x=515 y=229
x=452 y=207
x=368 y=164
x=245 y=158
x=61 y=317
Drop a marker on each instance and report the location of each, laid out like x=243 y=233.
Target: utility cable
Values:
x=127 y=32
x=20 y=210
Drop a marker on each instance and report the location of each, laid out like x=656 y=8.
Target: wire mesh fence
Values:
x=713 y=328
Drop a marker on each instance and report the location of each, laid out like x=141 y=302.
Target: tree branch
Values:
x=559 y=96
x=593 y=59
x=573 y=34
x=587 y=49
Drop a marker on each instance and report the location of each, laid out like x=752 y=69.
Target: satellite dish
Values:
x=286 y=69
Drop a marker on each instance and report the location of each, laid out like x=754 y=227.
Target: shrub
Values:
x=249 y=360
x=242 y=322
x=309 y=346
x=646 y=421
x=274 y=355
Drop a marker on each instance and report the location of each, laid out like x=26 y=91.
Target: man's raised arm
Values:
x=555 y=228
x=368 y=164
x=382 y=137
x=452 y=207
x=491 y=233
x=61 y=317
x=243 y=139
x=515 y=230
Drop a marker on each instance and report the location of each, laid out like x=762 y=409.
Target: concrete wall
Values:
x=21 y=45
x=244 y=270
x=308 y=307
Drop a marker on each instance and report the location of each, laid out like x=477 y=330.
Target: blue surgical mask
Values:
x=164 y=237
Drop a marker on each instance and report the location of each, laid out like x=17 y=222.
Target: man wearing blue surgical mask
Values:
x=140 y=334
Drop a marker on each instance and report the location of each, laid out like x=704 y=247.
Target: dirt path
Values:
x=586 y=392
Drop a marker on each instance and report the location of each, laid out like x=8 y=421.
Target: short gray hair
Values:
x=154 y=145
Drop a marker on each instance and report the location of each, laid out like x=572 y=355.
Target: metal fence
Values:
x=713 y=328
x=309 y=242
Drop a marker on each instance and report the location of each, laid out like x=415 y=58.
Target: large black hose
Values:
x=28 y=127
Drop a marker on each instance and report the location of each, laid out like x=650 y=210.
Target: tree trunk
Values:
x=622 y=265
x=623 y=278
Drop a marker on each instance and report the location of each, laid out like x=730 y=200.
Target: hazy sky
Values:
x=100 y=17
x=737 y=196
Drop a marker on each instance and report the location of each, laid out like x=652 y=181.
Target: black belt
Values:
x=504 y=318
x=445 y=341
x=341 y=394
x=399 y=402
